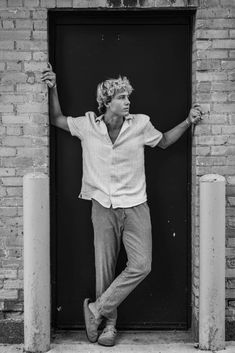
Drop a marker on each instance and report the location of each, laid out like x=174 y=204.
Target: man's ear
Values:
x=107 y=104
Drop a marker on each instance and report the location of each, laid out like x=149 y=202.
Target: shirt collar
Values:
x=99 y=118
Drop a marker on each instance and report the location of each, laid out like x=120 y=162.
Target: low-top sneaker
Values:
x=108 y=336
x=91 y=322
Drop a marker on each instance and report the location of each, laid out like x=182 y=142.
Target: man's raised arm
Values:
x=56 y=116
x=171 y=136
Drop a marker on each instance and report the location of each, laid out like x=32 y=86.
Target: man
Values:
x=114 y=179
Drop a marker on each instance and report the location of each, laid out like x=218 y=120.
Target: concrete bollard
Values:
x=36 y=263
x=212 y=263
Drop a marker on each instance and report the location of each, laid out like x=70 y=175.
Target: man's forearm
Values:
x=55 y=109
x=174 y=134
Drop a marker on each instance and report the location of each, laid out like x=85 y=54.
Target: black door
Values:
x=153 y=50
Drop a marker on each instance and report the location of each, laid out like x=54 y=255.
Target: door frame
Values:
x=139 y=13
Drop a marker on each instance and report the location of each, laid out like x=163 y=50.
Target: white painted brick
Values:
x=228 y=129
x=12 y=181
x=211 y=76
x=231 y=97
x=231 y=180
x=203 y=86
x=13 y=284
x=40 y=14
x=223 y=86
x=39 y=118
x=216 y=12
x=69 y=3
x=3 y=192
x=3 y=4
x=231 y=75
x=8 y=273
x=229 y=107
x=20 y=274
x=210 y=161
x=7 y=44
x=32 y=108
x=232 y=54
x=13 y=56
x=7 y=172
x=14 y=130
x=231 y=160
x=35 y=66
x=16 y=119
x=40 y=56
x=15 y=3
x=40 y=24
x=215 y=23
x=223 y=170
x=24 y=24
x=228 y=65
x=231 y=140
x=222 y=150
x=18 y=162
x=14 y=191
x=223 y=43
x=13 y=77
x=87 y=3
x=202 y=129
x=2 y=130
x=39 y=35
x=14 y=98
x=212 y=33
x=14 y=66
x=231 y=201
x=32 y=88
x=35 y=130
x=203 y=44
x=16 y=141
x=227 y=3
x=7 y=152
x=6 y=108
x=219 y=97
x=31 y=45
x=8 y=211
x=212 y=54
x=15 y=35
x=216 y=129
x=31 y=3
x=7 y=24
x=8 y=294
x=48 y=3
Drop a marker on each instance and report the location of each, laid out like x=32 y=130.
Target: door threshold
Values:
x=128 y=337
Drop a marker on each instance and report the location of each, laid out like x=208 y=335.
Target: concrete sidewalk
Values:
x=127 y=342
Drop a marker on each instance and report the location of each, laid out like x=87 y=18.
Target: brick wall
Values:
x=24 y=127
x=214 y=141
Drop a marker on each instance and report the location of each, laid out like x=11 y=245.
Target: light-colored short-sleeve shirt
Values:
x=114 y=173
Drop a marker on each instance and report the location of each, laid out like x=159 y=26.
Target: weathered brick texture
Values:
x=24 y=122
x=213 y=55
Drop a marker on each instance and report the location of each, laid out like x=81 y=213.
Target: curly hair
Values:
x=106 y=90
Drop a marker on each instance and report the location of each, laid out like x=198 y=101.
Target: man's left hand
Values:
x=195 y=114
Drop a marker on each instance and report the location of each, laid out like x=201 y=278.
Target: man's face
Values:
x=120 y=104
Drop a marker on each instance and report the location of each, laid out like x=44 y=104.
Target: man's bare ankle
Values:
x=94 y=310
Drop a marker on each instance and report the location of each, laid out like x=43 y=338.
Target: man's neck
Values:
x=113 y=121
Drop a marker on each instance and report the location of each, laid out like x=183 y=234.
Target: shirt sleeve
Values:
x=152 y=136
x=77 y=126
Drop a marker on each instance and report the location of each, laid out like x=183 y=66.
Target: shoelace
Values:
x=110 y=328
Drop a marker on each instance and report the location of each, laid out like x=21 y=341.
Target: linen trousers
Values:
x=132 y=226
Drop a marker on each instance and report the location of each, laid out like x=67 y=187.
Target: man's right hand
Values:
x=49 y=77
x=56 y=116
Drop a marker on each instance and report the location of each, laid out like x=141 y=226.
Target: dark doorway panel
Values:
x=153 y=49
